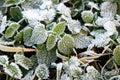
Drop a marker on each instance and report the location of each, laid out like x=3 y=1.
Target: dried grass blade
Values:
x=15 y=49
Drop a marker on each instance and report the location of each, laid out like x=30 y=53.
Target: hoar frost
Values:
x=64 y=10
x=108 y=9
x=42 y=71
x=39 y=15
x=13 y=70
x=93 y=74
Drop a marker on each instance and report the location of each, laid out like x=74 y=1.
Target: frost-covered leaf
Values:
x=64 y=10
x=44 y=56
x=72 y=67
x=47 y=15
x=92 y=74
x=42 y=71
x=87 y=16
x=51 y=41
x=30 y=4
x=12 y=2
x=15 y=13
x=82 y=41
x=74 y=61
x=33 y=59
x=116 y=55
x=101 y=40
x=108 y=9
x=3 y=24
x=39 y=34
x=101 y=21
x=110 y=27
x=19 y=36
x=118 y=39
x=1 y=15
x=46 y=4
x=59 y=28
x=75 y=71
x=66 y=44
x=115 y=77
x=118 y=17
x=69 y=66
x=97 y=32
x=23 y=61
x=13 y=70
x=74 y=26
x=93 y=5
x=3 y=60
x=32 y=14
x=13 y=27
x=39 y=15
x=111 y=73
x=65 y=77
x=27 y=33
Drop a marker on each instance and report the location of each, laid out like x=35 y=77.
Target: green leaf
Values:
x=23 y=61
x=3 y=60
x=51 y=41
x=13 y=70
x=13 y=27
x=27 y=33
x=116 y=55
x=87 y=16
x=13 y=2
x=15 y=13
x=59 y=28
x=118 y=7
x=19 y=36
x=44 y=56
x=66 y=44
x=39 y=34
x=55 y=1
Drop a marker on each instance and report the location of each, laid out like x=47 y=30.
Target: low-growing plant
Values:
x=71 y=39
